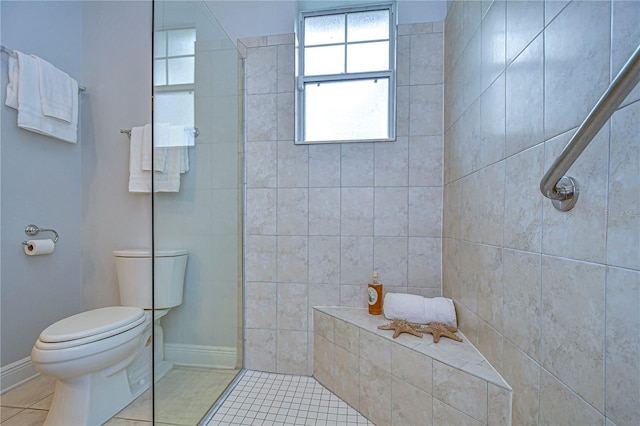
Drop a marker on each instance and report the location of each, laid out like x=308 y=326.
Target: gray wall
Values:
x=41 y=184
x=116 y=52
x=550 y=298
x=80 y=190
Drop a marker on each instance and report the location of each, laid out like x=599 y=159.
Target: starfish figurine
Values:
x=438 y=329
x=400 y=326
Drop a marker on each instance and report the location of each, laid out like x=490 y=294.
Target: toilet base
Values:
x=108 y=395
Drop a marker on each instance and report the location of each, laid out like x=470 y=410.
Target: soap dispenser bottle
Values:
x=374 y=295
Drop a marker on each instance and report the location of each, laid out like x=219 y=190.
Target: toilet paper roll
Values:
x=39 y=247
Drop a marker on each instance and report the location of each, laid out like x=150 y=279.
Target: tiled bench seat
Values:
x=407 y=380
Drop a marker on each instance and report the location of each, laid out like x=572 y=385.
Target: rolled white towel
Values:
x=418 y=309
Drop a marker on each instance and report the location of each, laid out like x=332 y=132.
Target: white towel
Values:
x=166 y=179
x=139 y=180
x=23 y=94
x=418 y=309
x=160 y=139
x=56 y=91
x=178 y=154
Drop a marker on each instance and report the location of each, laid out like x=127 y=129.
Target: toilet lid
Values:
x=93 y=325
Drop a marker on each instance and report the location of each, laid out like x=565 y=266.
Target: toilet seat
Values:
x=90 y=326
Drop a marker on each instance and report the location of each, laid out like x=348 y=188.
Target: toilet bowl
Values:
x=101 y=359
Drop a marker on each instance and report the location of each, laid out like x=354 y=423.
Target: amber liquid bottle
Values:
x=374 y=296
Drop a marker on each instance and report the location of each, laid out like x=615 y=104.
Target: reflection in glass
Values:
x=181 y=42
x=203 y=335
x=181 y=70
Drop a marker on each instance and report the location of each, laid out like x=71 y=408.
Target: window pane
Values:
x=159 y=72
x=323 y=30
x=363 y=26
x=159 y=44
x=181 y=70
x=347 y=110
x=324 y=60
x=181 y=42
x=364 y=57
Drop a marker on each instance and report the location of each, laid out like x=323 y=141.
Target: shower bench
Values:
x=407 y=380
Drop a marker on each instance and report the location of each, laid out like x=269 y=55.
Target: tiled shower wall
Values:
x=320 y=219
x=550 y=298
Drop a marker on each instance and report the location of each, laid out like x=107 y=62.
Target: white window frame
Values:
x=389 y=74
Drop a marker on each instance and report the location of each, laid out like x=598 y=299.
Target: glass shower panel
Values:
x=200 y=339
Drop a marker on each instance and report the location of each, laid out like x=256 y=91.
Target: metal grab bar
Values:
x=563 y=190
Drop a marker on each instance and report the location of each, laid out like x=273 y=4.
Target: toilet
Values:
x=101 y=359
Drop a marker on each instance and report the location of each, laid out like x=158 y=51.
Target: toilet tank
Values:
x=133 y=268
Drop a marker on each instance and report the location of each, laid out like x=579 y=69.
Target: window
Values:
x=174 y=76
x=346 y=75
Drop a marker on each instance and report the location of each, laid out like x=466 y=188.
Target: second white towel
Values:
x=418 y=309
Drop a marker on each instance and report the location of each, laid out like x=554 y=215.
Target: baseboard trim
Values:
x=16 y=373
x=201 y=356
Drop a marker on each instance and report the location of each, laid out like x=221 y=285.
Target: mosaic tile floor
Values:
x=269 y=399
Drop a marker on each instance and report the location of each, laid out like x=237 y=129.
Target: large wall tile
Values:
x=324 y=211
x=412 y=367
x=347 y=376
x=425 y=263
x=291 y=357
x=324 y=165
x=391 y=217
x=293 y=259
x=492 y=123
x=292 y=306
x=524 y=23
x=357 y=211
x=623 y=214
x=293 y=211
x=260 y=349
x=324 y=259
x=426 y=59
x=375 y=392
x=572 y=344
x=625 y=33
x=293 y=165
x=521 y=278
x=576 y=64
x=523 y=207
x=493 y=43
x=426 y=110
x=622 y=346
x=564 y=233
x=559 y=405
x=409 y=405
x=262 y=70
x=391 y=162
x=523 y=374
x=460 y=390
x=525 y=97
x=424 y=172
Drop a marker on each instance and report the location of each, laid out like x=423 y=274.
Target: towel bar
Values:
x=15 y=55
x=196 y=132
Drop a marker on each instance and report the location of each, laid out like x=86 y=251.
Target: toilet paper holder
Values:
x=33 y=230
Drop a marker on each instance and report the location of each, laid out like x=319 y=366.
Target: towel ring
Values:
x=33 y=230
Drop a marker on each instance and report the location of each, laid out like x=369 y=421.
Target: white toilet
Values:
x=102 y=358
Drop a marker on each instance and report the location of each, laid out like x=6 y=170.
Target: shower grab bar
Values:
x=563 y=190
x=15 y=55
x=196 y=132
